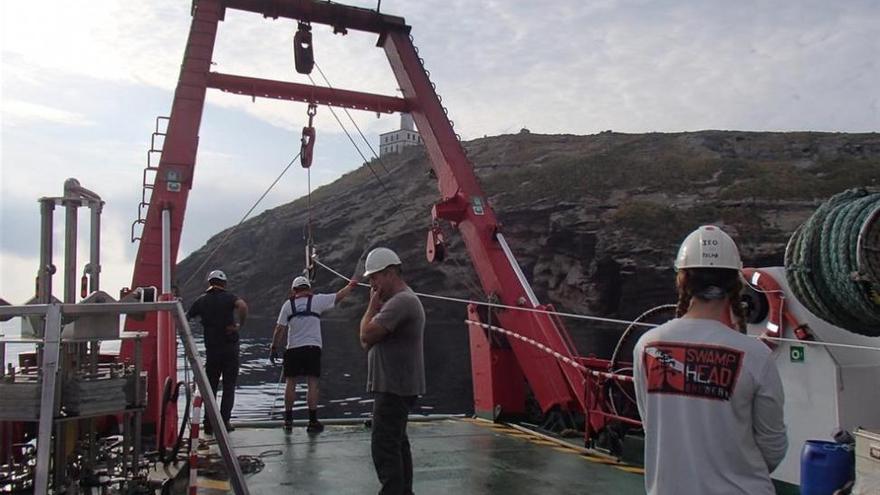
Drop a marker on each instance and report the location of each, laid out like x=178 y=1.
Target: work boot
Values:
x=288 y=421
x=208 y=430
x=315 y=427
x=229 y=428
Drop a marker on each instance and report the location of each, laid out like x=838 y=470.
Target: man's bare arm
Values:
x=345 y=291
x=370 y=331
x=278 y=336
x=241 y=310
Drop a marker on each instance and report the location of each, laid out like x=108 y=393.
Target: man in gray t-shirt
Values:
x=392 y=333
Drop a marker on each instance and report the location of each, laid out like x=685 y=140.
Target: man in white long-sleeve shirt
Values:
x=710 y=398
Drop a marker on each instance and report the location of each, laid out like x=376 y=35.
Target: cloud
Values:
x=105 y=40
x=629 y=65
x=17 y=274
x=16 y=112
x=83 y=80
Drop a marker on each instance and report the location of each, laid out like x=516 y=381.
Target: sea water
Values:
x=260 y=390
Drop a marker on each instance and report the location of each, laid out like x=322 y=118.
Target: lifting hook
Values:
x=308 y=139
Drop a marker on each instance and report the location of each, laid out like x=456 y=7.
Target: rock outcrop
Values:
x=593 y=220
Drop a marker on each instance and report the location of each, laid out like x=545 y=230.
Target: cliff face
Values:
x=594 y=221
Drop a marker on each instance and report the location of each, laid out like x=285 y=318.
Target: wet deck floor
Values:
x=450 y=457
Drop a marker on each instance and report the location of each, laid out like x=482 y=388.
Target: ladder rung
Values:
x=148 y=185
x=153 y=142
x=161 y=118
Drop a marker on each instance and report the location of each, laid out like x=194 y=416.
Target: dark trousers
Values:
x=223 y=362
x=390 y=445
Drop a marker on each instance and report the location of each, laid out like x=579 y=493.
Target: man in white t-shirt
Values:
x=300 y=317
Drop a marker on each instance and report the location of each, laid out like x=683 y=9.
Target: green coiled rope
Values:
x=832 y=262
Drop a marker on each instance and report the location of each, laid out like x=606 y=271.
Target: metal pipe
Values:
x=47 y=269
x=71 y=205
x=89 y=309
x=623 y=419
x=212 y=411
x=166 y=251
x=276 y=423
x=519 y=274
x=94 y=267
x=138 y=414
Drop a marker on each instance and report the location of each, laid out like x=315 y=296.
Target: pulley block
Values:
x=307 y=142
x=435 y=249
x=307 y=147
x=303 y=54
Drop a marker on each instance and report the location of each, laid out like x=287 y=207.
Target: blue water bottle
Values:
x=825 y=467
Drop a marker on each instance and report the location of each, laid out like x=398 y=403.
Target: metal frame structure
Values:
x=52 y=341
x=54 y=445
x=500 y=368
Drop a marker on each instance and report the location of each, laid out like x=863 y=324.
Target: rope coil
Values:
x=830 y=258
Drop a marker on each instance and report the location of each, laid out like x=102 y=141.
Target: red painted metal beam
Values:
x=498 y=383
x=170 y=191
x=553 y=383
x=305 y=93
x=340 y=17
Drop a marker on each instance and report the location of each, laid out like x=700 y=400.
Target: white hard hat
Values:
x=300 y=282
x=219 y=275
x=708 y=247
x=380 y=259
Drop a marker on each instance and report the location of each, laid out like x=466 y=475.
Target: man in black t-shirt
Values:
x=219 y=310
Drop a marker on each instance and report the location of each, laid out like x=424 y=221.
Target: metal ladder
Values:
x=150 y=172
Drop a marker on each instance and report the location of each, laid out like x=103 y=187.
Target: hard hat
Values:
x=217 y=274
x=708 y=247
x=380 y=259
x=300 y=282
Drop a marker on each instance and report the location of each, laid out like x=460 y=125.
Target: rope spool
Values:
x=832 y=262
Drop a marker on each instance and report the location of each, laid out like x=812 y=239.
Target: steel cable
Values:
x=243 y=218
x=472 y=287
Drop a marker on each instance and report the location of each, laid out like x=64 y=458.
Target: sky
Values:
x=81 y=82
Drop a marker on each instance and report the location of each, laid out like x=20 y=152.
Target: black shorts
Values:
x=302 y=361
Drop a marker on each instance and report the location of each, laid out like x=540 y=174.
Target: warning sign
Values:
x=695 y=370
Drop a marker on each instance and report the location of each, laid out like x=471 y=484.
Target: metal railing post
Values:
x=51 y=348
x=210 y=402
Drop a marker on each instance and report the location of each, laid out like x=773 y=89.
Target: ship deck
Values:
x=449 y=456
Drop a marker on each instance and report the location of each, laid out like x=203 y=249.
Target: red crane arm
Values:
x=465 y=205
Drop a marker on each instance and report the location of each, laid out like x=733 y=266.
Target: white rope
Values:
x=813 y=342
x=597 y=318
x=563 y=358
x=334 y=272
x=504 y=306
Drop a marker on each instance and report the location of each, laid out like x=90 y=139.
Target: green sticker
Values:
x=796 y=353
x=477 y=204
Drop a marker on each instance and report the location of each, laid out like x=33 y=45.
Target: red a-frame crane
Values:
x=500 y=369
